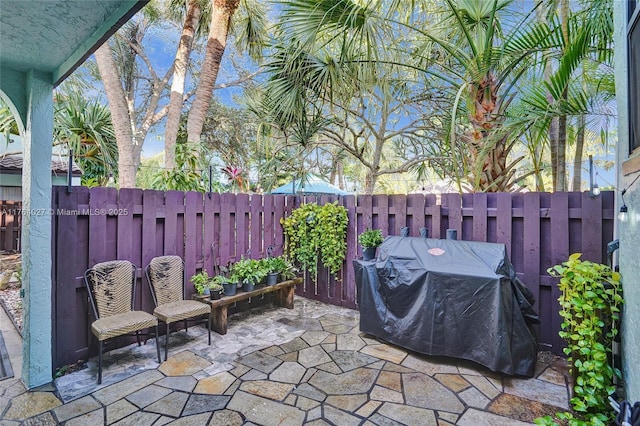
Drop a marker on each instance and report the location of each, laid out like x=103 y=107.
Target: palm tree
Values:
x=85 y=126
x=134 y=90
x=477 y=60
x=190 y=26
x=251 y=32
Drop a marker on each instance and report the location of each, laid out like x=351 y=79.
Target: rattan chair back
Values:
x=166 y=276
x=112 y=286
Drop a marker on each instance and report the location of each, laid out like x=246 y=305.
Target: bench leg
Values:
x=219 y=320
x=284 y=297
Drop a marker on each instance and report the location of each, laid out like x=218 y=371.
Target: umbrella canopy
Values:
x=311 y=184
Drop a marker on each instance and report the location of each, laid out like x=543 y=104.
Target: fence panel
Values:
x=10 y=225
x=94 y=225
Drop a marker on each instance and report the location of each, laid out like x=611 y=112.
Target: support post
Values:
x=36 y=232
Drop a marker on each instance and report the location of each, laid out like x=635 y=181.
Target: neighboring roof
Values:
x=57 y=36
x=58 y=166
x=312 y=184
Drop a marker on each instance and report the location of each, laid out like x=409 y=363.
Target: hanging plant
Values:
x=590 y=309
x=314 y=233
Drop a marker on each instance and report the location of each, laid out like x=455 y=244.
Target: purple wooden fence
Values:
x=10 y=220
x=99 y=224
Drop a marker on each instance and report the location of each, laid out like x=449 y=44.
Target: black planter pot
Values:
x=369 y=253
x=249 y=286
x=272 y=278
x=229 y=289
x=215 y=294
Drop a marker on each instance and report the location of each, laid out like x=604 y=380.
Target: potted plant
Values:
x=250 y=272
x=279 y=266
x=201 y=282
x=215 y=287
x=229 y=284
x=370 y=239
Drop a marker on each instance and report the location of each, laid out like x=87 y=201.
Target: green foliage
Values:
x=370 y=238
x=250 y=271
x=315 y=233
x=280 y=265
x=186 y=176
x=590 y=307
x=201 y=281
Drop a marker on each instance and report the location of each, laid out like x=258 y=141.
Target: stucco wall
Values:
x=629 y=231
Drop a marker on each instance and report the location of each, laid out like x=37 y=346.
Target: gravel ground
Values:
x=12 y=304
x=10 y=297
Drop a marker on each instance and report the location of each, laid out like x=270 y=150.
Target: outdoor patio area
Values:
x=309 y=365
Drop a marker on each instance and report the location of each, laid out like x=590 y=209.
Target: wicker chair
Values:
x=165 y=275
x=111 y=286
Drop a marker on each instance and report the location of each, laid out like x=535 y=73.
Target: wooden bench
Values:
x=283 y=296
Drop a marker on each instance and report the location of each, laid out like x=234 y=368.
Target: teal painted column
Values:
x=36 y=231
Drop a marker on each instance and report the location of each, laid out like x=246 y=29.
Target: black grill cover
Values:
x=453 y=298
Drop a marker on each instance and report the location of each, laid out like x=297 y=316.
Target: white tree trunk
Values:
x=119 y=116
x=221 y=13
x=176 y=100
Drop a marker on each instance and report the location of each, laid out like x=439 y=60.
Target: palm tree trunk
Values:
x=576 y=185
x=221 y=13
x=119 y=115
x=176 y=98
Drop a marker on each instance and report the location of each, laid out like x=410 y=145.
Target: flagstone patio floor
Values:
x=310 y=365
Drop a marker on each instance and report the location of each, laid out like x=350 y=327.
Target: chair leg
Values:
x=209 y=328
x=186 y=327
x=138 y=336
x=100 y=362
x=158 y=345
x=166 y=343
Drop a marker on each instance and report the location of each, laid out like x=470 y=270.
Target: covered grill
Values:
x=454 y=298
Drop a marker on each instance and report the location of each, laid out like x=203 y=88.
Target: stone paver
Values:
x=95 y=417
x=267 y=389
x=147 y=395
x=348 y=403
x=119 y=410
x=473 y=417
x=309 y=365
x=76 y=408
x=170 y=405
x=117 y=391
x=183 y=363
x=422 y=391
x=474 y=398
x=261 y=362
x=215 y=385
x=30 y=405
x=537 y=390
x=288 y=372
x=227 y=418
x=386 y=352
x=310 y=357
x=408 y=415
x=350 y=360
x=182 y=383
x=266 y=412
x=339 y=417
x=349 y=383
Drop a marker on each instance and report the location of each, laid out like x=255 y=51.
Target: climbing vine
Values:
x=314 y=233
x=590 y=308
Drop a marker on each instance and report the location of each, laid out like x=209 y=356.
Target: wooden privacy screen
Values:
x=99 y=224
